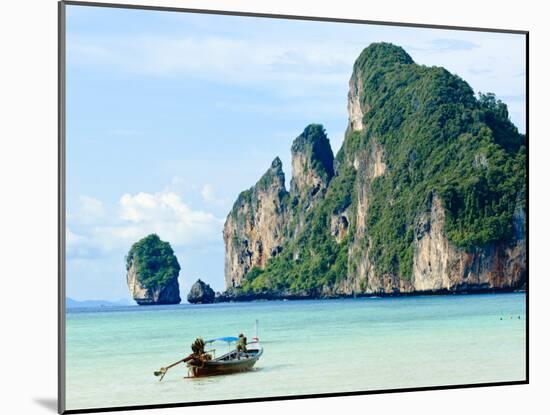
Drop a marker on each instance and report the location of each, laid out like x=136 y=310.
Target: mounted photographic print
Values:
x=258 y=207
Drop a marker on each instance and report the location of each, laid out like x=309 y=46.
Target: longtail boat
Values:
x=240 y=356
x=206 y=364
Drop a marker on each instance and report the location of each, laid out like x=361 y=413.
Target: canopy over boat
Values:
x=235 y=360
x=227 y=339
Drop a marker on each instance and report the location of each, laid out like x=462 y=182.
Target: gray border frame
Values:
x=61 y=209
x=62 y=213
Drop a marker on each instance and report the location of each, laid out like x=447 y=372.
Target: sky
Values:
x=171 y=115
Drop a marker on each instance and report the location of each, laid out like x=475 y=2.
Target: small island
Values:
x=152 y=272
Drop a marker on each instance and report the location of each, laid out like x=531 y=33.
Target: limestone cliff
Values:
x=168 y=294
x=267 y=215
x=312 y=166
x=254 y=229
x=426 y=195
x=438 y=265
x=312 y=171
x=368 y=164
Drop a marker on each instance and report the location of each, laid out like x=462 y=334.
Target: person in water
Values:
x=241 y=343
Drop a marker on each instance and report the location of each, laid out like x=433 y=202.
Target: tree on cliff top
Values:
x=154 y=261
x=316 y=145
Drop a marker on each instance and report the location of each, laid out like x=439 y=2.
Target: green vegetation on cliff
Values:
x=272 y=177
x=154 y=262
x=314 y=143
x=313 y=259
x=437 y=138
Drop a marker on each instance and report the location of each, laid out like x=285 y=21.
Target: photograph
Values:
x=262 y=207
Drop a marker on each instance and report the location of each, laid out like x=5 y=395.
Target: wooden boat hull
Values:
x=223 y=365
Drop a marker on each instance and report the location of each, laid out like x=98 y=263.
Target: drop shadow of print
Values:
x=48 y=403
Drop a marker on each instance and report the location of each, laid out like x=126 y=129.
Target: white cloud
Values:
x=80 y=246
x=298 y=107
x=90 y=207
x=454 y=45
x=165 y=214
x=86 y=210
x=137 y=216
x=177 y=181
x=488 y=62
x=207 y=193
x=297 y=67
x=209 y=196
x=222 y=59
x=72 y=238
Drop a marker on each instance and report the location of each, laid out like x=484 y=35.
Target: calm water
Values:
x=310 y=347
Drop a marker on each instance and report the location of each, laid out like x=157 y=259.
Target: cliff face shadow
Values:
x=48 y=403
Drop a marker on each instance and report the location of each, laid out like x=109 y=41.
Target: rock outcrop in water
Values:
x=152 y=272
x=201 y=293
x=426 y=195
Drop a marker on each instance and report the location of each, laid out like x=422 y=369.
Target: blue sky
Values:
x=171 y=115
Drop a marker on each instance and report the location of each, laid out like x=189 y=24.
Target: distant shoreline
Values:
x=264 y=297
x=228 y=298
x=72 y=303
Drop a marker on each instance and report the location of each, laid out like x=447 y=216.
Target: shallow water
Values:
x=317 y=346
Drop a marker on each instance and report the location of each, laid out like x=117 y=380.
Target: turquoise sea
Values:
x=310 y=347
